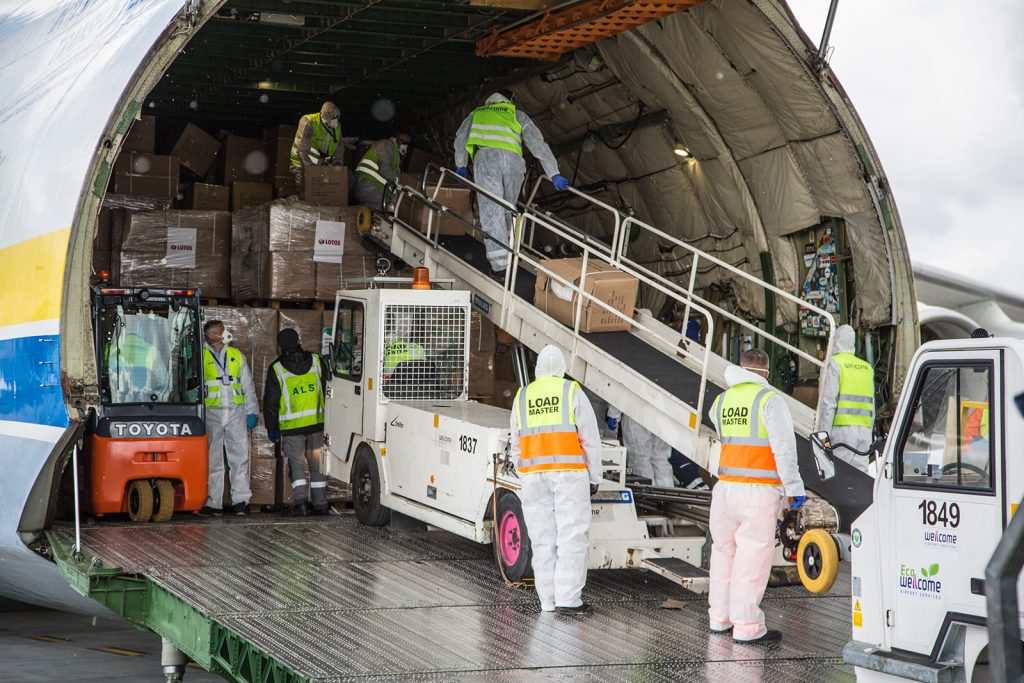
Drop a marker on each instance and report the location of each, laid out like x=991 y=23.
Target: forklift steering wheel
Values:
x=951 y=467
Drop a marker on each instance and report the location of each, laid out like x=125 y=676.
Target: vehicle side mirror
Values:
x=823 y=458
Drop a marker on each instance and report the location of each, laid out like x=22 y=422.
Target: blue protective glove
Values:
x=272 y=436
x=613 y=423
x=463 y=171
x=560 y=182
x=251 y=420
x=796 y=501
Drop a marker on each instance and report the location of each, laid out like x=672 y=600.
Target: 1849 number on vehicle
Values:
x=946 y=514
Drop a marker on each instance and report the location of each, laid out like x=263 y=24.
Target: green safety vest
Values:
x=133 y=352
x=323 y=143
x=495 y=125
x=302 y=397
x=856 y=392
x=369 y=166
x=214 y=379
x=546 y=425
x=746 y=456
x=399 y=351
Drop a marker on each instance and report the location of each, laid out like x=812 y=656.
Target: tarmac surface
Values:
x=336 y=601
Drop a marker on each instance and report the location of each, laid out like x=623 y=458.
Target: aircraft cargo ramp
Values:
x=325 y=599
x=651 y=372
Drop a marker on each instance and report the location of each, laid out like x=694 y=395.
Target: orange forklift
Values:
x=147 y=445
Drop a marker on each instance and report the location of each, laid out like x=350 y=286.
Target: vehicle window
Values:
x=948 y=441
x=348 y=341
x=148 y=354
x=425 y=355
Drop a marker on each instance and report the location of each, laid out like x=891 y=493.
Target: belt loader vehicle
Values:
x=146 y=443
x=948 y=486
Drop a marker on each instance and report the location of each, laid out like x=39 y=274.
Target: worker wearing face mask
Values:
x=493 y=136
x=556 y=448
x=847 y=407
x=317 y=140
x=231 y=413
x=380 y=165
x=757 y=468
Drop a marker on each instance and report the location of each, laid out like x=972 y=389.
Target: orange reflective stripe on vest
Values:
x=746 y=456
x=543 y=446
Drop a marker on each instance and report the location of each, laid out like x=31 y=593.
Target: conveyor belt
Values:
x=335 y=601
x=850 y=491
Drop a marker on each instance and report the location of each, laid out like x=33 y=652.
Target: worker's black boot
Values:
x=301 y=510
x=770 y=636
x=581 y=611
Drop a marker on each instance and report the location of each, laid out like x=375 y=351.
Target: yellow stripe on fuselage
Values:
x=32 y=278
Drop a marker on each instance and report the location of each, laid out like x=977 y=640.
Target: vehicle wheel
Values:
x=140 y=501
x=817 y=560
x=163 y=503
x=366 y=491
x=512 y=549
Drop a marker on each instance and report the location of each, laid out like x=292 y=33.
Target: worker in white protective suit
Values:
x=493 y=136
x=757 y=467
x=846 y=409
x=646 y=454
x=556 y=448
x=231 y=413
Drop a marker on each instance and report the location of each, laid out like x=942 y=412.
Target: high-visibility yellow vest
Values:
x=495 y=125
x=302 y=397
x=400 y=351
x=213 y=377
x=856 y=392
x=546 y=423
x=322 y=145
x=131 y=352
x=746 y=456
x=369 y=166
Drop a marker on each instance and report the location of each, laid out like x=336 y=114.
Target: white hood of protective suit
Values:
x=550 y=362
x=846 y=340
x=734 y=375
x=495 y=98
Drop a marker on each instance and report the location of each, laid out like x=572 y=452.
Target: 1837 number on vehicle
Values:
x=467 y=444
x=946 y=514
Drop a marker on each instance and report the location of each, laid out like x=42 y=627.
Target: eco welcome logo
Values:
x=923 y=585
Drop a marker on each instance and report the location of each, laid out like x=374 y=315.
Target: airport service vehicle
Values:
x=947 y=489
x=146 y=441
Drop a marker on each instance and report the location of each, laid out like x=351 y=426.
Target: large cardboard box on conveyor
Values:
x=457 y=199
x=178 y=249
x=325 y=185
x=293 y=251
x=150 y=175
x=603 y=282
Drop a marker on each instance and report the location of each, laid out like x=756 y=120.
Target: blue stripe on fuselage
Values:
x=30 y=388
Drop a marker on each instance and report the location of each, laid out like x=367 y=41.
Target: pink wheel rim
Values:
x=509 y=538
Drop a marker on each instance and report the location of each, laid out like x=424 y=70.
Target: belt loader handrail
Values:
x=590 y=248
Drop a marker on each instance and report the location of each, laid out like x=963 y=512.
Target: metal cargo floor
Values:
x=330 y=600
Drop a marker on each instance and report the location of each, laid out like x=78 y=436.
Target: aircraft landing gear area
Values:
x=400 y=602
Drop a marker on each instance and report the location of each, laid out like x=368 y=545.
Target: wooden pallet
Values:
x=554 y=34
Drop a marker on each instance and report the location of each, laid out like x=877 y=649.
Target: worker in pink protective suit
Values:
x=556 y=448
x=756 y=469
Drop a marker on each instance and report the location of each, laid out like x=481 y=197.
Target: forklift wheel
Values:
x=140 y=501
x=163 y=505
x=366 y=490
x=817 y=560
x=512 y=549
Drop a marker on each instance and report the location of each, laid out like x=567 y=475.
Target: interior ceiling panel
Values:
x=730 y=80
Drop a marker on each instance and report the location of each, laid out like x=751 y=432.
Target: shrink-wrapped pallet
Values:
x=180 y=249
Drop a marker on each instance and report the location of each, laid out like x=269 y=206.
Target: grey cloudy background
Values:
x=939 y=85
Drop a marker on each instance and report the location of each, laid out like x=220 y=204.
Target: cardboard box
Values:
x=418 y=160
x=418 y=215
x=806 y=394
x=325 y=185
x=262 y=472
x=242 y=159
x=603 y=282
x=206 y=197
x=178 y=249
x=245 y=194
x=196 y=149
x=284 y=186
x=146 y=174
x=278 y=141
x=141 y=137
